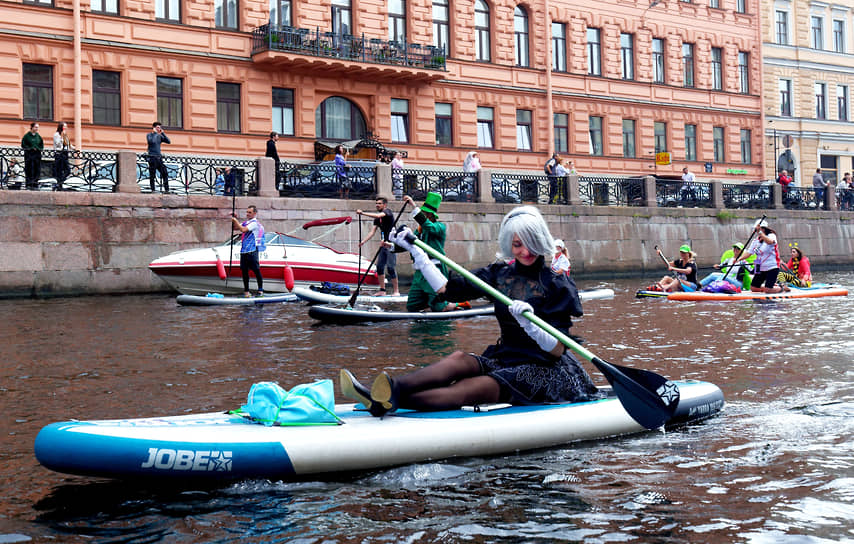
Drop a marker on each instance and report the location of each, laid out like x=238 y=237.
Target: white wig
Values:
x=527 y=222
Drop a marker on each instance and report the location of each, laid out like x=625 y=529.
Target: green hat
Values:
x=739 y=245
x=685 y=249
x=431 y=203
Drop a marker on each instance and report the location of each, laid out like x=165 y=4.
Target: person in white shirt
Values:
x=687 y=191
x=560 y=261
x=767 y=259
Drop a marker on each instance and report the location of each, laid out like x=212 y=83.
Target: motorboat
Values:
x=217 y=269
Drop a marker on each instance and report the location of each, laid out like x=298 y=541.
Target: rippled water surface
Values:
x=776 y=467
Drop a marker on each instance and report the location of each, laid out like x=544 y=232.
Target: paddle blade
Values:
x=288 y=275
x=649 y=398
x=220 y=268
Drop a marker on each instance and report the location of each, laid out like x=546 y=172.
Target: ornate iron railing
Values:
x=198 y=175
x=515 y=188
x=611 y=191
x=90 y=171
x=346 y=46
x=746 y=196
x=675 y=194
x=453 y=185
x=325 y=181
x=801 y=198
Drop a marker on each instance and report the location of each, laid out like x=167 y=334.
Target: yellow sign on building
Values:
x=662 y=159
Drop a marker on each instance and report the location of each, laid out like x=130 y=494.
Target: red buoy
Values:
x=288 y=274
x=220 y=268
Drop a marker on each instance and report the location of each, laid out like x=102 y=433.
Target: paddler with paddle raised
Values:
x=527 y=365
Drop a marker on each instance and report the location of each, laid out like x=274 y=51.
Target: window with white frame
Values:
x=283 y=111
x=658 y=60
x=559 y=47
x=596 y=135
x=717 y=69
x=743 y=72
x=520 y=33
x=817 y=32
x=444 y=123
x=688 y=64
x=746 y=154
x=627 y=55
x=781 y=27
x=523 y=130
x=481 y=28
x=168 y=10
x=690 y=142
x=397 y=20
x=839 y=36
x=785 y=87
x=842 y=102
x=718 y=143
x=561 y=122
x=485 y=117
x=821 y=100
x=399 y=120
x=594 y=51
x=629 y=151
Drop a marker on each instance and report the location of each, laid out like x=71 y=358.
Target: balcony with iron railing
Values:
x=302 y=48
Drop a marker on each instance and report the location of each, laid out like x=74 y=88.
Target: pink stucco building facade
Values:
x=605 y=83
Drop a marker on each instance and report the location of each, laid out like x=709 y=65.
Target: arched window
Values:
x=481 y=28
x=520 y=29
x=336 y=118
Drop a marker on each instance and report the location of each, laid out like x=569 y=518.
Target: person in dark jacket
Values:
x=32 y=144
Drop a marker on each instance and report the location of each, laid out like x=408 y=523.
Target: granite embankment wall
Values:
x=90 y=243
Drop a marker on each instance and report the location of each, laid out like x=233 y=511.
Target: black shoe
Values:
x=384 y=392
x=353 y=390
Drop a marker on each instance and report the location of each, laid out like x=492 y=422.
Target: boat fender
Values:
x=288 y=275
x=220 y=268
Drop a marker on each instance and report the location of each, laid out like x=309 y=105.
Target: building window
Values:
x=110 y=7
x=225 y=14
x=561 y=122
x=523 y=130
x=718 y=143
x=397 y=20
x=170 y=102
x=227 y=107
x=629 y=139
x=444 y=124
x=817 y=32
x=106 y=98
x=39 y=2
x=715 y=4
x=441 y=24
x=785 y=86
x=481 y=29
x=741 y=6
x=717 y=69
x=842 y=102
x=821 y=101
x=829 y=167
x=336 y=118
x=690 y=142
x=743 y=72
x=838 y=36
x=280 y=13
x=596 y=136
x=781 y=22
x=520 y=31
x=627 y=55
x=168 y=10
x=594 y=52
x=283 y=111
x=559 y=47
x=399 y=120
x=657 y=60
x=341 y=23
x=745 y=146
x=660 y=137
x=688 y=64
x=38 y=91
x=484 y=127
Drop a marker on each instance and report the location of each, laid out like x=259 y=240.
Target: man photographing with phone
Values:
x=155 y=158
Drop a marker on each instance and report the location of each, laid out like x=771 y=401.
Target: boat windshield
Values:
x=273 y=239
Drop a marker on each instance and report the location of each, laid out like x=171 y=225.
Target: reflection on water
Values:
x=775 y=467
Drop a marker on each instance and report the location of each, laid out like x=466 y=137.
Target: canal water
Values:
x=776 y=467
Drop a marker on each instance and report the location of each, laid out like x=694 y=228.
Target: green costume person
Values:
x=432 y=232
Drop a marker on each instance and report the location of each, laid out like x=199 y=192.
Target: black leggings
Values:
x=249 y=261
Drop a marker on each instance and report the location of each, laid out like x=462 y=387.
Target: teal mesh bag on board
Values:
x=305 y=404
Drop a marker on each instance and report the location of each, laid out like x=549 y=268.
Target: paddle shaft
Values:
x=746 y=245
x=231 y=245
x=355 y=294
